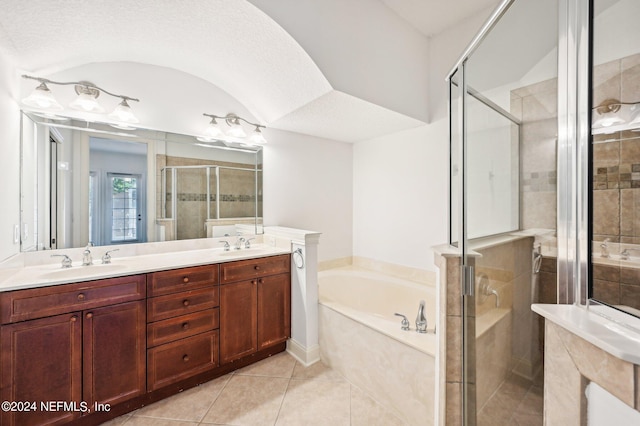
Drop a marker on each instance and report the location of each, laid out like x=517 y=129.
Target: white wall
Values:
x=10 y=158
x=308 y=184
x=400 y=196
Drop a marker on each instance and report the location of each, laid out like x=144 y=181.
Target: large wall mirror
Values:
x=615 y=155
x=89 y=182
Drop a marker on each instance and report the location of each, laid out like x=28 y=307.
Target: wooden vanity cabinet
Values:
x=90 y=351
x=255 y=305
x=182 y=324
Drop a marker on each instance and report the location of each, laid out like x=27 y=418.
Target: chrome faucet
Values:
x=624 y=255
x=238 y=244
x=247 y=243
x=86 y=255
x=404 y=324
x=226 y=244
x=106 y=258
x=604 y=249
x=421 y=320
x=66 y=262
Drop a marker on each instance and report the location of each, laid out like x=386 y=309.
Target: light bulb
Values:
x=212 y=131
x=86 y=102
x=608 y=121
x=236 y=130
x=42 y=97
x=257 y=138
x=123 y=113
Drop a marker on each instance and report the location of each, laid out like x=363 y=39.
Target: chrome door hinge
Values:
x=468 y=281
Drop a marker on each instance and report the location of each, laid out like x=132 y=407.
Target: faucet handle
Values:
x=404 y=324
x=106 y=258
x=66 y=262
x=226 y=246
x=247 y=242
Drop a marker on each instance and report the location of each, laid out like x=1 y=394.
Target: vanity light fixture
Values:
x=235 y=133
x=88 y=93
x=611 y=113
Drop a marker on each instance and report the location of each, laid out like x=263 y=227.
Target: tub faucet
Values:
x=404 y=325
x=66 y=262
x=421 y=320
x=86 y=255
x=604 y=249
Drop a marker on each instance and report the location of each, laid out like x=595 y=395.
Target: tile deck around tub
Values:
x=274 y=391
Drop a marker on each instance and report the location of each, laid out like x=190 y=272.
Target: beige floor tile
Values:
x=316 y=371
x=315 y=402
x=189 y=405
x=148 y=421
x=532 y=403
x=248 y=400
x=527 y=419
x=280 y=365
x=367 y=412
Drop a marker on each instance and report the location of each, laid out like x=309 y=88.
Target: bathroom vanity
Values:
x=88 y=351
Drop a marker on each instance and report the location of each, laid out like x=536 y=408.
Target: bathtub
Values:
x=361 y=338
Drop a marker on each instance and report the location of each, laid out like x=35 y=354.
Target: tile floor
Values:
x=517 y=402
x=274 y=391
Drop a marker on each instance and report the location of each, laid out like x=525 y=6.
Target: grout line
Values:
x=282 y=401
x=214 y=399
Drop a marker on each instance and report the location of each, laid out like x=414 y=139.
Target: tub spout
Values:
x=404 y=325
x=421 y=320
x=495 y=293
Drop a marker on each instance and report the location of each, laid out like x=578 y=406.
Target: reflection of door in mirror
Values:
x=117 y=191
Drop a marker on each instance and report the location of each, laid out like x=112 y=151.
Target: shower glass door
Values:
x=503 y=127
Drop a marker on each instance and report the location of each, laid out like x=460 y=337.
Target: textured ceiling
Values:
x=431 y=17
x=230 y=44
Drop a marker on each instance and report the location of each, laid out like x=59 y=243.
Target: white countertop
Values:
x=615 y=338
x=18 y=278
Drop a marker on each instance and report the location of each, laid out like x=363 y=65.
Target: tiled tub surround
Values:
x=361 y=339
x=617 y=282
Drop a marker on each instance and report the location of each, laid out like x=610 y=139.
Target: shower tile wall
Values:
x=616 y=158
x=237 y=197
x=536 y=106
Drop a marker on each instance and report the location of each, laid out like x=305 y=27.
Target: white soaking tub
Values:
x=361 y=338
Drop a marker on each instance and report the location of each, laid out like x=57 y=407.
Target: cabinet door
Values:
x=274 y=310
x=238 y=316
x=114 y=353
x=41 y=361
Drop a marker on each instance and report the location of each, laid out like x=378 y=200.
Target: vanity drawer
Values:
x=171 y=329
x=252 y=268
x=167 y=282
x=182 y=359
x=186 y=302
x=42 y=302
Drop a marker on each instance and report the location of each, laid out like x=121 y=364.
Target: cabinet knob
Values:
x=89 y=315
x=185 y=358
x=185 y=326
x=185 y=302
x=185 y=280
x=81 y=296
x=74 y=318
x=254 y=282
x=260 y=281
x=257 y=267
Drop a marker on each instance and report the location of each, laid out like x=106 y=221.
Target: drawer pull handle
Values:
x=185 y=358
x=185 y=326
x=81 y=296
x=254 y=282
x=185 y=280
x=89 y=315
x=260 y=281
x=186 y=302
x=257 y=267
x=74 y=318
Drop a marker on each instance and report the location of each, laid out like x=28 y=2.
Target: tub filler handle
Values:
x=421 y=320
x=404 y=325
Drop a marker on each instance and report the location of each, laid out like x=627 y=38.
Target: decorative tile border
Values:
x=539 y=181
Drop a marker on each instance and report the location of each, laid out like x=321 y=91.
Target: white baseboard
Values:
x=305 y=356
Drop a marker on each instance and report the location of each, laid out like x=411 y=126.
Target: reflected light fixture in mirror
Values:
x=43 y=99
x=614 y=115
x=235 y=133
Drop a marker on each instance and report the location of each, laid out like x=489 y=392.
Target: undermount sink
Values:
x=82 y=271
x=245 y=252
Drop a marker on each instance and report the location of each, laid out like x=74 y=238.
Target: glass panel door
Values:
x=125 y=214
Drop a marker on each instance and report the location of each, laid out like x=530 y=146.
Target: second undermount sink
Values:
x=245 y=252
x=82 y=271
